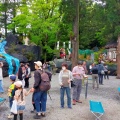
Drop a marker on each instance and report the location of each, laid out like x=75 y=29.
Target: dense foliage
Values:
x=47 y=21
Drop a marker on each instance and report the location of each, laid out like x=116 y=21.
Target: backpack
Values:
x=49 y=75
x=45 y=81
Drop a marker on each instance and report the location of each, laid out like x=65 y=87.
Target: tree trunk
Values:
x=118 y=58
x=5 y=24
x=14 y=15
x=75 y=38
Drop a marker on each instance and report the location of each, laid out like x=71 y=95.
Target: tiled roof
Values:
x=112 y=44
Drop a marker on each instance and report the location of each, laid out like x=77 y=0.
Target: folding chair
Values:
x=96 y=108
x=3 y=101
x=119 y=89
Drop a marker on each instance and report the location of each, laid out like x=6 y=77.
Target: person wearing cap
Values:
x=40 y=97
x=11 y=89
x=78 y=73
x=20 y=95
x=1 y=78
x=11 y=92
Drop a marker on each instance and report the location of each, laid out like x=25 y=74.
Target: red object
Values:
x=62 y=55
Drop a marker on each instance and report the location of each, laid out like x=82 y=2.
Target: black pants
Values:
x=27 y=82
x=106 y=75
x=33 y=102
x=20 y=115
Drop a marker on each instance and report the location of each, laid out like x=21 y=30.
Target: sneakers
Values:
x=74 y=102
x=37 y=116
x=43 y=114
x=32 y=111
x=62 y=107
x=79 y=101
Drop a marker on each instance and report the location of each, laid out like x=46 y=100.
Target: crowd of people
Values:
x=68 y=80
x=77 y=76
x=17 y=91
x=99 y=72
x=50 y=66
x=24 y=73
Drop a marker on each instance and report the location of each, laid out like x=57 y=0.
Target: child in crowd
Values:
x=11 y=92
x=20 y=95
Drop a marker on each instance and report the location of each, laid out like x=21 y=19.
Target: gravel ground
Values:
x=107 y=94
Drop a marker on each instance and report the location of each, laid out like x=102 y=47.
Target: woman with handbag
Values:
x=65 y=78
x=106 y=72
x=100 y=72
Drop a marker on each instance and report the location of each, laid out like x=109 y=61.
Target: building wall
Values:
x=111 y=53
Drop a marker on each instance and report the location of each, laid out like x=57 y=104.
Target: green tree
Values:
x=39 y=20
x=7 y=13
x=93 y=22
x=113 y=19
x=69 y=10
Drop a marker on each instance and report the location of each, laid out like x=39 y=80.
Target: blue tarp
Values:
x=9 y=59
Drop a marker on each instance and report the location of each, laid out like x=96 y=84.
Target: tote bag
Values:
x=14 y=107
